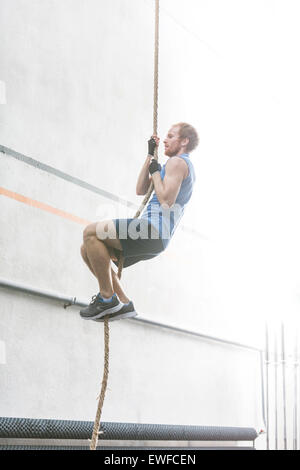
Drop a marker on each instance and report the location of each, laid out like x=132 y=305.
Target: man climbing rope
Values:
x=146 y=237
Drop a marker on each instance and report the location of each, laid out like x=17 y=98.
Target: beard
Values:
x=170 y=153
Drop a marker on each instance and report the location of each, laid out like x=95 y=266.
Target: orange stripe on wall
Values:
x=42 y=206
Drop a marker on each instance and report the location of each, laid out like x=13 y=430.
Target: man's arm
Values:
x=144 y=179
x=167 y=189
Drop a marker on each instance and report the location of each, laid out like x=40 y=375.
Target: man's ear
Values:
x=185 y=141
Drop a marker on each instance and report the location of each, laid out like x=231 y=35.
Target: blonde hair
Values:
x=186 y=131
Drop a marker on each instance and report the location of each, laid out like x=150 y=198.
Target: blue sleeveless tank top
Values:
x=164 y=220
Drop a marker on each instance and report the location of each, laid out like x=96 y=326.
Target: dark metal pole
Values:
x=26 y=428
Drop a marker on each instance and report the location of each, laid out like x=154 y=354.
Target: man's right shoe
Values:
x=99 y=307
x=127 y=311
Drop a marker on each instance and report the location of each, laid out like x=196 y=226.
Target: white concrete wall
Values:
x=78 y=81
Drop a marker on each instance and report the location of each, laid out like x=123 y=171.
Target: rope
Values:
x=156 y=50
x=155 y=120
x=96 y=432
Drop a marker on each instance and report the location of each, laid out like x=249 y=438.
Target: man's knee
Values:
x=89 y=232
x=83 y=251
x=105 y=230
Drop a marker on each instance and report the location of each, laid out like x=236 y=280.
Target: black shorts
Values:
x=139 y=249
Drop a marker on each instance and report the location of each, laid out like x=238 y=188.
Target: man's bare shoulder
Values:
x=178 y=165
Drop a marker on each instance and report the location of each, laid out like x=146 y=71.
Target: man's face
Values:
x=173 y=143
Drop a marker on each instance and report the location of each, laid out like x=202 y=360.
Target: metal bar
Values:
x=83 y=184
x=276 y=395
x=132 y=448
x=68 y=301
x=262 y=381
x=194 y=333
x=267 y=384
x=45 y=294
x=62 y=429
x=65 y=176
x=295 y=411
x=283 y=363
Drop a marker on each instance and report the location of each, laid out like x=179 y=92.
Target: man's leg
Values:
x=106 y=302
x=97 y=251
x=99 y=260
x=115 y=280
x=118 y=288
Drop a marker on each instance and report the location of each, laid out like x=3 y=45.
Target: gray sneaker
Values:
x=127 y=311
x=98 y=308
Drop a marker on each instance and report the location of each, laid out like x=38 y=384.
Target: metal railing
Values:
x=281 y=407
x=68 y=301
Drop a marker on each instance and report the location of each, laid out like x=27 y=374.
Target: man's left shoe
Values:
x=99 y=307
x=127 y=311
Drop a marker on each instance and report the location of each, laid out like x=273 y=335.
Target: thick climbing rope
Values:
x=95 y=435
x=155 y=120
